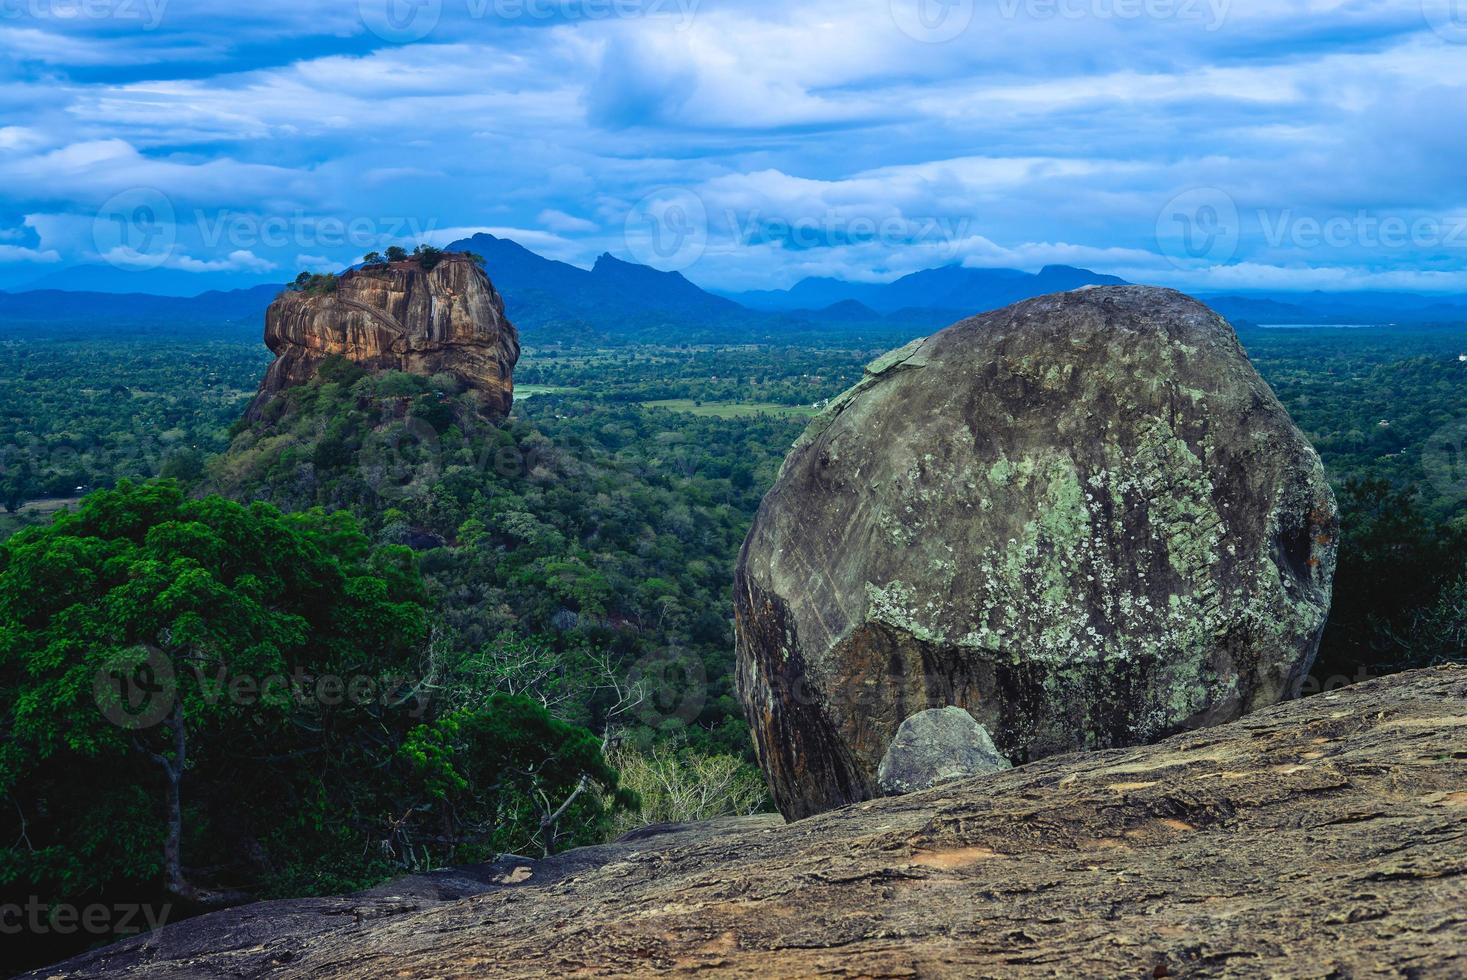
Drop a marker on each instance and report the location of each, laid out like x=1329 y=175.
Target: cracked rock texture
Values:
x=1084 y=518
x=398 y=317
x=1325 y=837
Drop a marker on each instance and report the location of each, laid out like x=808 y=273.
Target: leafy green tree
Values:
x=514 y=760
x=428 y=256
x=1394 y=563
x=115 y=620
x=372 y=258
x=167 y=663
x=396 y=253
x=184 y=465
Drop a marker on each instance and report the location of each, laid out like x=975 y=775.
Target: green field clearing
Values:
x=527 y=391
x=731 y=410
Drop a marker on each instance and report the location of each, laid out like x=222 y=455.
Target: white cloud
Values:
x=240 y=260
x=318 y=263
x=19 y=138
x=559 y=221
x=19 y=253
x=1030 y=138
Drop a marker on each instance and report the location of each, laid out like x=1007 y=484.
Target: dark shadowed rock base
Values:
x=1320 y=838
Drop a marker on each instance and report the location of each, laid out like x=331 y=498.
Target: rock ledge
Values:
x=1320 y=838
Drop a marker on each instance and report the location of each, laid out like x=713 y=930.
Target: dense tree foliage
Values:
x=167 y=663
x=586 y=526
x=78 y=415
x=573 y=561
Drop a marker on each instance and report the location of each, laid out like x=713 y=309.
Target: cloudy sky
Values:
x=1278 y=144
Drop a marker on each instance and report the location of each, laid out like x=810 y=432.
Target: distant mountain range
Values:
x=99 y=309
x=1320 y=307
x=103 y=278
x=617 y=302
x=537 y=289
x=952 y=287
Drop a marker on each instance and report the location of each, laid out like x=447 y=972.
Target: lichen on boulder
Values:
x=1084 y=519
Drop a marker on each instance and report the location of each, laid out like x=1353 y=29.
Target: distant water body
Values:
x=1323 y=326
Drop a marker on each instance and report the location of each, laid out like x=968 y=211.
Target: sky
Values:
x=1211 y=145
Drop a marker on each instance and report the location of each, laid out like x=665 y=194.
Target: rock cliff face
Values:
x=1319 y=838
x=398 y=317
x=1085 y=519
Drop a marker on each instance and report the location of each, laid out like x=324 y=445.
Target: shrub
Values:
x=678 y=786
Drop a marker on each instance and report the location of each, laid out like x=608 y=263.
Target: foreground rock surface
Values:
x=1084 y=518
x=399 y=317
x=1320 y=838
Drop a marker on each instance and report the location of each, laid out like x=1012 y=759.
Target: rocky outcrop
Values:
x=398 y=316
x=1084 y=519
x=937 y=746
x=1319 y=838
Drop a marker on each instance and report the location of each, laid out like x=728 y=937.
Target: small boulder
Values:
x=937 y=746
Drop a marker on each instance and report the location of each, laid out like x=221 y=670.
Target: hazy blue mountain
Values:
x=951 y=287
x=621 y=302
x=153 y=282
x=1258 y=309
x=651 y=288
x=1321 y=307
x=101 y=309
x=845 y=311
x=536 y=288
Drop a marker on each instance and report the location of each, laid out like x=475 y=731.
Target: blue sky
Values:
x=1206 y=144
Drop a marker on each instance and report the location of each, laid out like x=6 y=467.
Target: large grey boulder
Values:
x=937 y=746
x=1084 y=518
